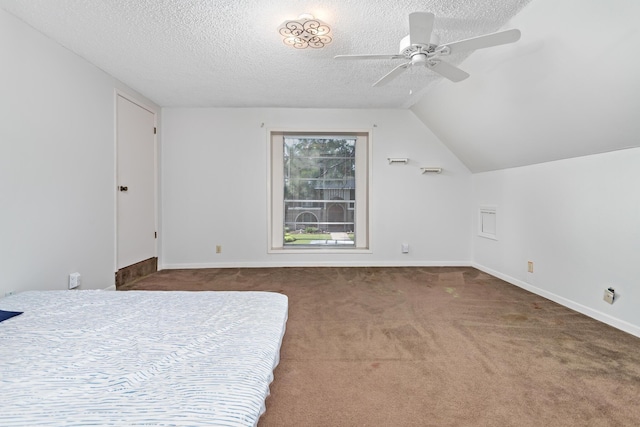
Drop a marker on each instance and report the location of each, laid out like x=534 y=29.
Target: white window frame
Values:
x=275 y=189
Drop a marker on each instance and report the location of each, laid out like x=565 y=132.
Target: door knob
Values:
x=124 y=188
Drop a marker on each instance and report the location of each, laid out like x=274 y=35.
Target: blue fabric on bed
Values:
x=4 y=315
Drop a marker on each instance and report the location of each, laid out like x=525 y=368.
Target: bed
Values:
x=152 y=358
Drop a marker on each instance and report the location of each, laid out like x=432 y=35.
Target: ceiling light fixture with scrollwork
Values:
x=304 y=32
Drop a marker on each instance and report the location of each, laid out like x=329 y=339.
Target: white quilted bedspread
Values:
x=100 y=358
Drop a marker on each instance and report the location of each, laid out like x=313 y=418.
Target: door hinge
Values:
x=155 y=130
x=155 y=234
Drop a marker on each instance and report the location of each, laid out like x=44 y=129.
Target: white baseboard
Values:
x=315 y=264
x=587 y=311
x=110 y=288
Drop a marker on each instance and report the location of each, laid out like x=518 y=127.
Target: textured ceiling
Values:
x=212 y=53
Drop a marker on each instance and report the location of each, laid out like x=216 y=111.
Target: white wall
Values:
x=214 y=191
x=57 y=151
x=578 y=220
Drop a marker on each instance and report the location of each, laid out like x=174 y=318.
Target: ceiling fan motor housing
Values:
x=408 y=50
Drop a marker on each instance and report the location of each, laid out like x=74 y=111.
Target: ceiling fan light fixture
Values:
x=304 y=32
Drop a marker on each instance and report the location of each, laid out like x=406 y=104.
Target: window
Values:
x=318 y=191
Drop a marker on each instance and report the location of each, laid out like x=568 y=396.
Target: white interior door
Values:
x=136 y=214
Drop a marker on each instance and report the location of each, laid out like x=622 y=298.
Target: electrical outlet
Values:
x=405 y=248
x=74 y=280
x=609 y=295
x=530 y=266
x=9 y=293
x=218 y=249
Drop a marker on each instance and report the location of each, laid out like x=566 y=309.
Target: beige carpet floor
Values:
x=431 y=347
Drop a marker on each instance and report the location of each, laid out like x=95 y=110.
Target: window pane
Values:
x=319 y=191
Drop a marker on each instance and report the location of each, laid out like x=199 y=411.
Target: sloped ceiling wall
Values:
x=570 y=87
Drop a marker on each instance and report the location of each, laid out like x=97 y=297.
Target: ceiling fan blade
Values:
x=392 y=74
x=396 y=56
x=480 y=42
x=449 y=71
x=420 y=27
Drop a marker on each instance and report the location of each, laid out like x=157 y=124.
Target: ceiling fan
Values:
x=421 y=47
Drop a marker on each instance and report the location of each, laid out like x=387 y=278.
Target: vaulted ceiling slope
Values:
x=219 y=53
x=570 y=87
